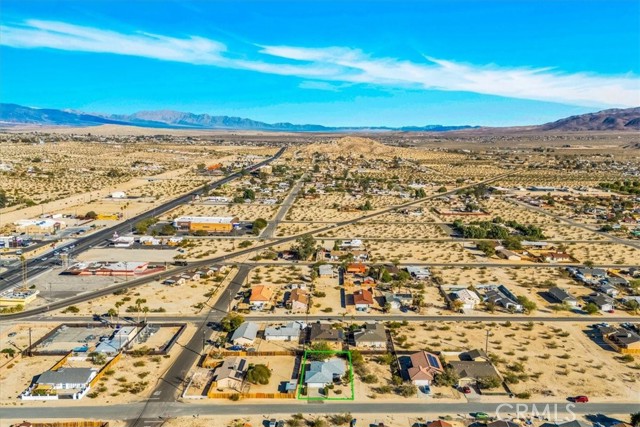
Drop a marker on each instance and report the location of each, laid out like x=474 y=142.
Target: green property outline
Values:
x=303 y=373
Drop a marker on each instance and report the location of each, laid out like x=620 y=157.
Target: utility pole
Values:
x=30 y=342
x=486 y=344
x=203 y=340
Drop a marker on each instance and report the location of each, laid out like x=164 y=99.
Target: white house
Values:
x=289 y=332
x=67 y=378
x=322 y=373
x=118 y=195
x=468 y=298
x=245 y=334
x=419 y=272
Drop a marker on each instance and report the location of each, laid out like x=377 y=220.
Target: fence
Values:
x=105 y=368
x=227 y=395
x=212 y=359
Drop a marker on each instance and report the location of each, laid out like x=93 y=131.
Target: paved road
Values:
x=202 y=263
x=284 y=208
x=170 y=384
x=579 y=225
x=371 y=317
x=283 y=408
x=14 y=276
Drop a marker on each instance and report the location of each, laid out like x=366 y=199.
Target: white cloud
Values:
x=338 y=64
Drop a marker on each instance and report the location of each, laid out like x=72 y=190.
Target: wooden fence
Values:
x=227 y=395
x=105 y=368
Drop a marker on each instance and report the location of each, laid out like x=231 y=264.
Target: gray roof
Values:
x=323 y=372
x=66 y=376
x=325 y=269
x=372 y=332
x=325 y=332
x=233 y=368
x=291 y=329
x=475 y=354
x=468 y=369
x=247 y=330
x=561 y=294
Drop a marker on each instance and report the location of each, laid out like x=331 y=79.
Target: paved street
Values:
x=283 y=408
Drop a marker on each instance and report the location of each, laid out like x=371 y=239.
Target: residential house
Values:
x=608 y=289
x=397 y=300
x=424 y=367
x=372 y=335
x=356 y=268
x=508 y=255
x=439 y=423
x=623 y=341
x=477 y=355
x=503 y=423
x=554 y=257
x=419 y=272
x=562 y=296
x=245 y=334
x=260 y=296
x=470 y=371
x=503 y=297
x=298 y=300
x=325 y=271
x=325 y=332
x=321 y=374
x=67 y=378
x=363 y=299
x=604 y=302
x=288 y=332
x=230 y=373
x=469 y=299
x=118 y=340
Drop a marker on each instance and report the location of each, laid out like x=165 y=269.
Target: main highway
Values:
x=14 y=276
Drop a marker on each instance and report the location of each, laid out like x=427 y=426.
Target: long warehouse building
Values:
x=210 y=224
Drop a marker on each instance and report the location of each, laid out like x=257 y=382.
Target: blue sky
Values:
x=328 y=62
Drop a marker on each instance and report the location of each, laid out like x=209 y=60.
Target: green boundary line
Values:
x=303 y=373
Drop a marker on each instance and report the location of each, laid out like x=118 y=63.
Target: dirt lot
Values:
x=572 y=355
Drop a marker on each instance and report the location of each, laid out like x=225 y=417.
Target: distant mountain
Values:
x=612 y=120
x=13 y=114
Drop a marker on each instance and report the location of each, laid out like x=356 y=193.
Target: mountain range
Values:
x=13 y=114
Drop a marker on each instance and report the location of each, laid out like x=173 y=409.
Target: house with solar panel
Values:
x=424 y=367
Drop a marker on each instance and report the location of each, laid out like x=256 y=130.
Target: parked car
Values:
x=466 y=389
x=481 y=416
x=236 y=348
x=580 y=399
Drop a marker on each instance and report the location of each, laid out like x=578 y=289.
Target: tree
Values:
x=486 y=247
x=387 y=307
x=91 y=215
x=591 y=308
x=248 y=193
x=489 y=382
x=167 y=230
x=633 y=306
x=589 y=263
x=258 y=225
x=456 y=305
x=258 y=374
x=635 y=419
x=319 y=351
x=447 y=378
x=231 y=322
x=305 y=246
x=528 y=305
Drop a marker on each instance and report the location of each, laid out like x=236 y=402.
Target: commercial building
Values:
x=13 y=297
x=39 y=226
x=210 y=224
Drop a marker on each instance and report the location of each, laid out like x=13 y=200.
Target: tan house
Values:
x=299 y=300
x=260 y=296
x=424 y=367
x=230 y=373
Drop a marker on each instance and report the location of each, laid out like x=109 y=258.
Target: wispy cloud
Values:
x=338 y=64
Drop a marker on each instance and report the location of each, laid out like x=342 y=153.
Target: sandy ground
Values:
x=575 y=358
